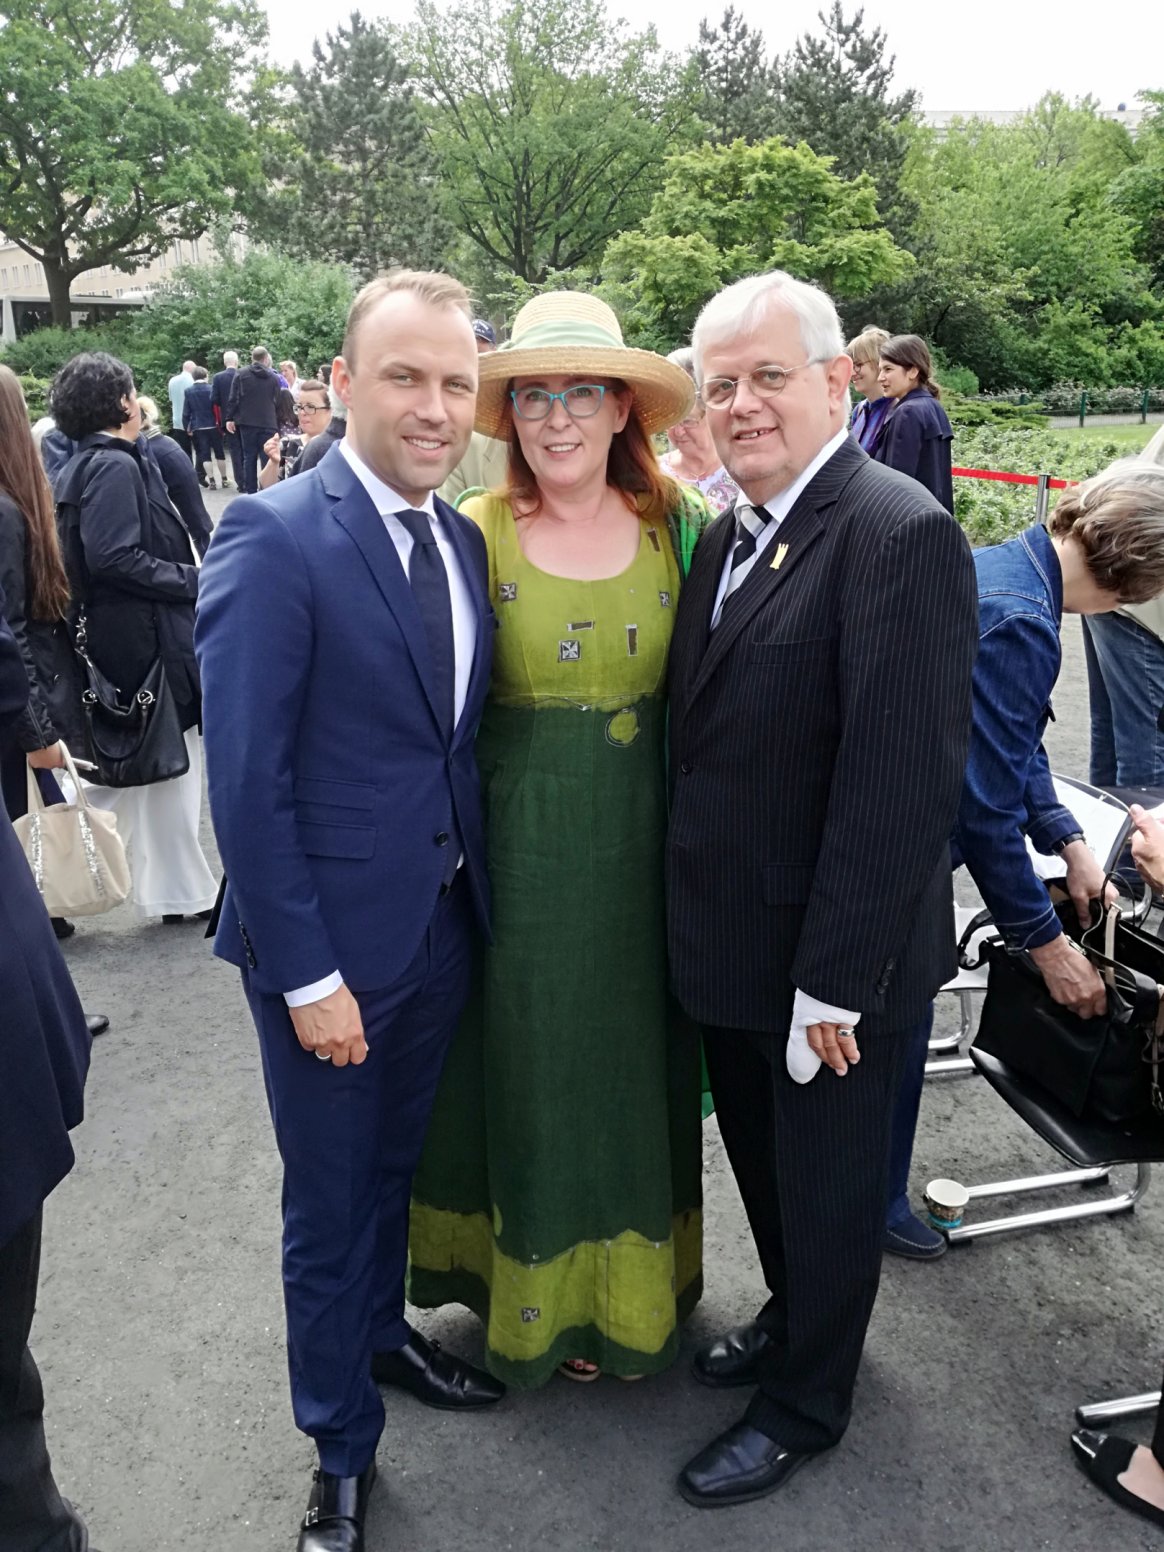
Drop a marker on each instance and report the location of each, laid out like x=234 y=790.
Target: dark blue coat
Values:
x=915 y=438
x=333 y=785
x=182 y=486
x=198 y=408
x=220 y=386
x=44 y=1041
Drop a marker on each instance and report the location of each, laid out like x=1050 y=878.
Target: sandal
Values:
x=1105 y=1457
x=580 y=1369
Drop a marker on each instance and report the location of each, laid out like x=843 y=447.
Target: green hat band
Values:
x=568 y=332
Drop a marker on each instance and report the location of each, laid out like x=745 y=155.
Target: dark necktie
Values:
x=751 y=526
x=430 y=588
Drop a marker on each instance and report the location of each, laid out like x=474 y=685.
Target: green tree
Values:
x=358 y=184
x=727 y=211
x=735 y=80
x=550 y=124
x=834 y=94
x=1138 y=192
x=117 y=130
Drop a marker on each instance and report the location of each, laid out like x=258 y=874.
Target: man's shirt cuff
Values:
x=302 y=995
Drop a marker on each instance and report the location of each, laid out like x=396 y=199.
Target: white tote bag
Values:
x=75 y=853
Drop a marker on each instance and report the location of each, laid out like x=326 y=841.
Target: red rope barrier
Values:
x=1011 y=479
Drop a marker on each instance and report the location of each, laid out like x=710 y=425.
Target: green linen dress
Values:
x=560 y=1195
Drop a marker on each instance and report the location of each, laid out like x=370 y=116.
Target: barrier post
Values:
x=1144 y=409
x=1041 y=497
x=1082 y=408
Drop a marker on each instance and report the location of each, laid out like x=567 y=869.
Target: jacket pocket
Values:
x=787 y=883
x=792 y=654
x=356 y=842
x=336 y=794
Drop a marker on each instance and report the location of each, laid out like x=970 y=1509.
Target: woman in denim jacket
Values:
x=1103 y=547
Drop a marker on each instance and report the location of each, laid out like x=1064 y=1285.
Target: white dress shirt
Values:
x=388 y=502
x=778 y=509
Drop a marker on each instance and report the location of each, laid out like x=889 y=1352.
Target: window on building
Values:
x=4 y=278
x=28 y=274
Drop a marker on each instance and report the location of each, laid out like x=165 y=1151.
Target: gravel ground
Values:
x=160 y=1331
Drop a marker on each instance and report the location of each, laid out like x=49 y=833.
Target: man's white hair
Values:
x=739 y=308
x=230 y=358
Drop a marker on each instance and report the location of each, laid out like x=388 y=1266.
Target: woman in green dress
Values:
x=559 y=1196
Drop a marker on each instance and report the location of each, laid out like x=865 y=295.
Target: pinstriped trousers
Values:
x=812 y=1164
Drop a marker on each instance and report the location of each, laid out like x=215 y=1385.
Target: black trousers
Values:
x=812 y=1164
x=33 y=1516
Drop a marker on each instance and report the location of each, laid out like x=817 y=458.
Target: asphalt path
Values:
x=160 y=1330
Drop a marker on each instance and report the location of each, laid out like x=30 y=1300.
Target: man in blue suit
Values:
x=345 y=638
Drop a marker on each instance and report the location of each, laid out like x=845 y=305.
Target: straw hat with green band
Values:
x=570 y=334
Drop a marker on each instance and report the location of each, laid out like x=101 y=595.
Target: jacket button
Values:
x=441 y=838
x=685 y=767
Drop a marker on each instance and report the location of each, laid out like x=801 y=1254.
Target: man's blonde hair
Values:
x=429 y=285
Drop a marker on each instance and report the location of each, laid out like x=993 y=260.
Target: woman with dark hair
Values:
x=559 y=1194
x=134 y=578
x=917 y=433
x=34 y=582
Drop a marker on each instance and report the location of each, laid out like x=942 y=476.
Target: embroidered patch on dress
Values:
x=530 y=1313
x=577 y=625
x=506 y=592
x=665 y=600
x=632 y=641
x=569 y=651
x=654 y=539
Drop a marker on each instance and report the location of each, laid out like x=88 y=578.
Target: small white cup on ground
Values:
x=946 y=1202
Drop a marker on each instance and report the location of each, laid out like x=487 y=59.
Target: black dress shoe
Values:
x=1105 y=1457
x=62 y=929
x=436 y=1377
x=731 y=1359
x=742 y=1464
x=334 y=1521
x=98 y=1023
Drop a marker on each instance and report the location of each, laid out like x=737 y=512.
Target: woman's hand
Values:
x=1148 y=847
x=50 y=759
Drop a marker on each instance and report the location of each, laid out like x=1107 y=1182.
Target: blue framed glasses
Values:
x=580 y=402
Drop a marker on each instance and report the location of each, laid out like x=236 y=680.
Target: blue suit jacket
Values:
x=332 y=785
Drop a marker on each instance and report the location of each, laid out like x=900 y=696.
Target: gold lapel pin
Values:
x=778 y=558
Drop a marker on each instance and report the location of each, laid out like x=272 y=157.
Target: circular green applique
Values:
x=623 y=728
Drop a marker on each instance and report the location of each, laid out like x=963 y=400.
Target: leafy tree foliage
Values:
x=735 y=81
x=357 y=185
x=1138 y=191
x=550 y=122
x=727 y=211
x=117 y=130
x=833 y=92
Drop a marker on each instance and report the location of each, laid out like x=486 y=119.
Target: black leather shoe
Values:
x=731 y=1359
x=334 y=1521
x=1105 y=1457
x=742 y=1464
x=98 y=1023
x=436 y=1377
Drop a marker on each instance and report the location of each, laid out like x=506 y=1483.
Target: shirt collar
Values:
x=779 y=506
x=386 y=500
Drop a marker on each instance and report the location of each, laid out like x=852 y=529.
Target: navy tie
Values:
x=430 y=588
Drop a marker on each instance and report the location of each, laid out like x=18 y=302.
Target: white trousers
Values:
x=159 y=826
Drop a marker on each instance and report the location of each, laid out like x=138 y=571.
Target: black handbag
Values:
x=134 y=743
x=1107 y=1067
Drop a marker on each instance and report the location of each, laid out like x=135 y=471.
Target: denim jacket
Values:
x=1008 y=792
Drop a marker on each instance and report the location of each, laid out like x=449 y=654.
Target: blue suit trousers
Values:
x=350 y=1140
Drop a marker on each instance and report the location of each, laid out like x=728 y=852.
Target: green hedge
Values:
x=990 y=511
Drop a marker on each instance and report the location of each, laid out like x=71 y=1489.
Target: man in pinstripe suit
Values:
x=820 y=715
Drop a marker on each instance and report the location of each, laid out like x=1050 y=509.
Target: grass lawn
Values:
x=1130 y=436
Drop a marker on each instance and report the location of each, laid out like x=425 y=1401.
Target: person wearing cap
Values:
x=485 y=335
x=559 y=1193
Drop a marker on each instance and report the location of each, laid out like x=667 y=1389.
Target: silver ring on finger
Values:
x=846 y=1034
x=322 y=1056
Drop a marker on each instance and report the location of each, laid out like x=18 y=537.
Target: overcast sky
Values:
x=986 y=54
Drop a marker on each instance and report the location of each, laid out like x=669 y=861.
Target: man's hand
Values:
x=1148 y=847
x=230 y=426
x=50 y=759
x=1071 y=979
x=1084 y=881
x=835 y=1044
x=332 y=1027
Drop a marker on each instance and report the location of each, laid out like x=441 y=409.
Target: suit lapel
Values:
x=356 y=513
x=477 y=586
x=780 y=557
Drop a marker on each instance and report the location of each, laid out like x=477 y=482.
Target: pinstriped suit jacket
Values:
x=818 y=744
